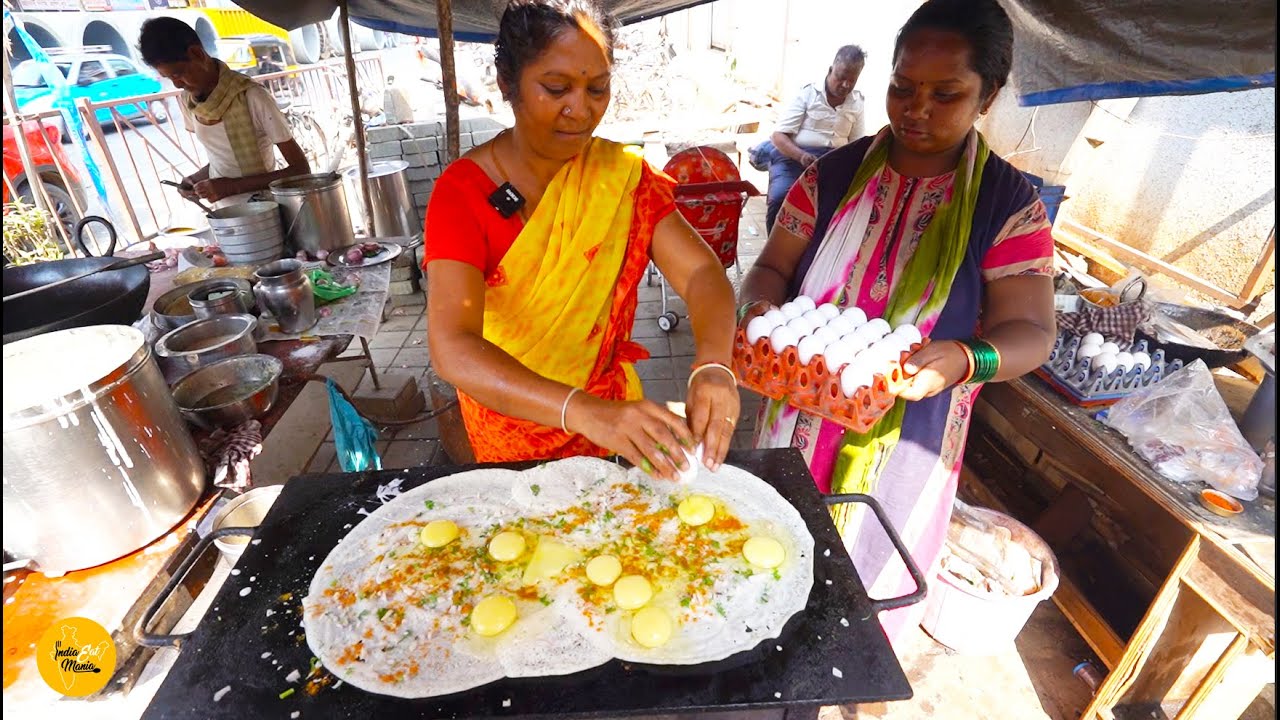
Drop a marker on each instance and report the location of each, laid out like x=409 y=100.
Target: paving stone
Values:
x=325 y=456
x=658 y=346
x=410 y=453
x=389 y=339
x=413 y=357
x=655 y=369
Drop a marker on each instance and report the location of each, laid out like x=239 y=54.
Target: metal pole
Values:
x=449 y=76
x=344 y=27
x=20 y=139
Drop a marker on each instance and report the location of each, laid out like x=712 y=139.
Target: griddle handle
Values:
x=916 y=576
x=140 y=634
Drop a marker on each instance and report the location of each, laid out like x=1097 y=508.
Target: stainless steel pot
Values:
x=221 y=297
x=248 y=232
x=206 y=341
x=285 y=292
x=173 y=309
x=314 y=209
x=393 y=212
x=97 y=460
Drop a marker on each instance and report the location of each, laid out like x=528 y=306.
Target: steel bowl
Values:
x=173 y=309
x=205 y=341
x=229 y=392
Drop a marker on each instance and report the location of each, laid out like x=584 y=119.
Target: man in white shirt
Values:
x=823 y=116
x=232 y=116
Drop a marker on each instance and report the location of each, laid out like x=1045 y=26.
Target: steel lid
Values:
x=378 y=169
x=303 y=184
x=54 y=373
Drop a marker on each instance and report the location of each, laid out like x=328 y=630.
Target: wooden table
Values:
x=1135 y=549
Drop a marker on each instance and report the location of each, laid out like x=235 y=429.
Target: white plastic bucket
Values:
x=974 y=622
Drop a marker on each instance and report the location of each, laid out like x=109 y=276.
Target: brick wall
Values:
x=421 y=145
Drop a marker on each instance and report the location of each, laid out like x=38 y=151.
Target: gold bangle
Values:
x=704 y=366
x=564 y=407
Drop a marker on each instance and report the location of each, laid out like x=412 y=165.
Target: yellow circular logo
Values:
x=76 y=656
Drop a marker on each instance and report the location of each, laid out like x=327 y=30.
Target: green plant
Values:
x=29 y=235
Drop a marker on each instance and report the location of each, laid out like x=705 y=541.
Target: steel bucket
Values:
x=97 y=460
x=314 y=210
x=393 y=212
x=249 y=232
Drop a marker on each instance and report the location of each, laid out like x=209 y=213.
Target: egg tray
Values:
x=813 y=388
x=1073 y=377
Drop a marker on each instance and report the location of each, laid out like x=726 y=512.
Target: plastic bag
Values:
x=1183 y=428
x=353 y=435
x=326 y=287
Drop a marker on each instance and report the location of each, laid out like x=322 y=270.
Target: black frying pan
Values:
x=1221 y=329
x=114 y=297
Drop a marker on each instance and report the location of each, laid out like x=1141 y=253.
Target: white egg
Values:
x=855 y=314
x=826 y=336
x=1142 y=360
x=1092 y=338
x=758 y=327
x=1106 y=361
x=776 y=318
x=829 y=311
x=841 y=324
x=1124 y=360
x=805 y=303
x=891 y=346
x=1087 y=351
x=868 y=332
x=817 y=318
x=856 y=341
x=802 y=325
x=880 y=326
x=1110 y=347
x=808 y=347
x=783 y=338
x=792 y=310
x=837 y=355
x=854 y=376
x=910 y=332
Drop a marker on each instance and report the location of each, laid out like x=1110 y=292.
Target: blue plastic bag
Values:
x=353 y=435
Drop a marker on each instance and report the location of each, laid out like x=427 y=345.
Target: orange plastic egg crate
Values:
x=813 y=388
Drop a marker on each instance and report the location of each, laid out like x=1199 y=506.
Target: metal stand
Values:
x=366 y=355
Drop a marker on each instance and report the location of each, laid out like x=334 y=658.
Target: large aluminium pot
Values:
x=97 y=460
x=394 y=214
x=314 y=210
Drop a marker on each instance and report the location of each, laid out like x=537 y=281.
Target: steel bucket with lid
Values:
x=249 y=233
x=393 y=213
x=97 y=460
x=314 y=210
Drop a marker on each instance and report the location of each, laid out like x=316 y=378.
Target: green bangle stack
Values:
x=986 y=361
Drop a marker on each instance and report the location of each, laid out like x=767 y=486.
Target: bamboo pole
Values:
x=449 y=77
x=348 y=54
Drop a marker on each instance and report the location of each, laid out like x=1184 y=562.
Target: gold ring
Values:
x=729 y=420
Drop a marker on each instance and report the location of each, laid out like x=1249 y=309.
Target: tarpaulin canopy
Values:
x=473 y=20
x=1070 y=50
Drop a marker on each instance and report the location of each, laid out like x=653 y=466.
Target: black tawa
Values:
x=832 y=652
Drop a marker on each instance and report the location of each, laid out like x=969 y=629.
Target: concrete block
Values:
x=425 y=159
x=402 y=287
x=426 y=129
x=427 y=144
x=420 y=200
x=481 y=124
x=481 y=137
x=399 y=398
x=400 y=274
x=415 y=298
x=419 y=187
x=384 y=150
x=465 y=141
x=422 y=173
x=386 y=133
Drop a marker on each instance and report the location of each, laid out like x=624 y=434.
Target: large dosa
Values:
x=389 y=616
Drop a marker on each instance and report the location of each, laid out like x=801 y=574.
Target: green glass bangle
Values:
x=745 y=307
x=986 y=361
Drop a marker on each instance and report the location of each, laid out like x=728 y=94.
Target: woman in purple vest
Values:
x=921 y=224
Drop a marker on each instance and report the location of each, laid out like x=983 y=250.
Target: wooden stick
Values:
x=449 y=75
x=344 y=27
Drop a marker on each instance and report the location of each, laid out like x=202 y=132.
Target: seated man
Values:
x=822 y=117
x=233 y=117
